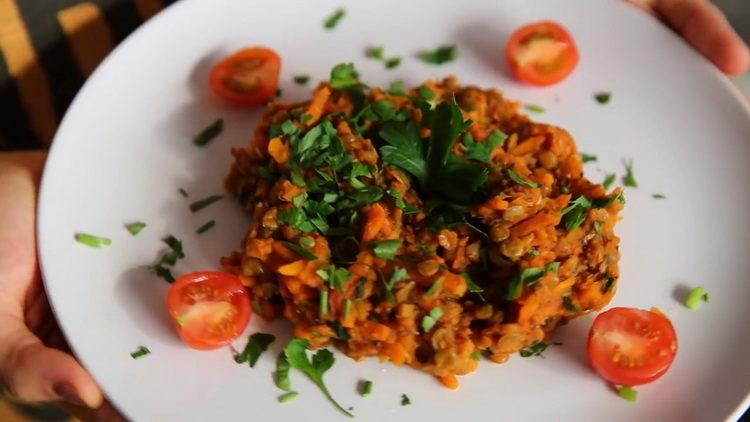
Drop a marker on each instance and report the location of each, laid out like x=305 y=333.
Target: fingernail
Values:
x=68 y=393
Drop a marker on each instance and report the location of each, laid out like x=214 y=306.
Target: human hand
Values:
x=704 y=26
x=33 y=365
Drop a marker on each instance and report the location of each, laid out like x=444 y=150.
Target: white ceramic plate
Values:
x=125 y=148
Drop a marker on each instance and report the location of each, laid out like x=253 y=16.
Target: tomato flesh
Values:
x=247 y=77
x=209 y=309
x=630 y=347
x=541 y=53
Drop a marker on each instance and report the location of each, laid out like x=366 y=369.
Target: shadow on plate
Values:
x=573 y=337
x=485 y=41
x=144 y=295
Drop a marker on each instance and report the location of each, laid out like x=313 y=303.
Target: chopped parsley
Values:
x=301 y=79
x=323 y=303
x=516 y=178
x=343 y=75
x=397 y=88
x=135 y=228
x=528 y=277
x=602 y=97
x=535 y=349
x=92 y=241
x=386 y=249
x=608 y=180
x=533 y=252
x=575 y=213
x=440 y=55
x=365 y=388
x=209 y=133
x=392 y=62
x=288 y=396
x=429 y=320
x=629 y=179
x=607 y=284
x=569 y=305
x=169 y=259
x=588 y=157
x=335 y=276
x=426 y=93
x=256 y=345
x=282 y=372
x=471 y=285
x=696 y=298
x=434 y=287
x=397 y=275
x=314 y=369
x=405 y=400
x=140 y=352
x=203 y=203
x=482 y=151
x=299 y=250
x=376 y=53
x=659 y=196
x=627 y=393
x=534 y=108
x=333 y=19
x=205 y=227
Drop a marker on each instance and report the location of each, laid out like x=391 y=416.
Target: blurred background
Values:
x=109 y=21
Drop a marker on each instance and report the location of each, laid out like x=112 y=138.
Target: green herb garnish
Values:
x=135 y=228
x=535 y=349
x=288 y=396
x=282 y=372
x=475 y=355
x=91 y=240
x=392 y=62
x=434 y=287
x=629 y=179
x=140 y=352
x=442 y=54
x=376 y=53
x=301 y=79
x=608 y=180
x=696 y=298
x=314 y=369
x=365 y=388
x=209 y=133
x=528 y=277
x=203 y=203
x=299 y=250
x=523 y=182
x=386 y=249
x=336 y=277
x=333 y=20
x=569 y=305
x=256 y=345
x=575 y=213
x=397 y=88
x=205 y=227
x=344 y=76
x=405 y=400
x=169 y=259
x=602 y=97
x=588 y=157
x=627 y=393
x=429 y=320
x=534 y=108
x=482 y=151
x=323 y=303
x=397 y=275
x=659 y=196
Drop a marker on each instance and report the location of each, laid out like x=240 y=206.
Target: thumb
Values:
x=33 y=372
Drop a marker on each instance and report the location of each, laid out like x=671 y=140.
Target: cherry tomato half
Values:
x=541 y=53
x=247 y=77
x=209 y=309
x=630 y=347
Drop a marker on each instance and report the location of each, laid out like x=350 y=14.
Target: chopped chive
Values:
x=658 y=196
x=183 y=192
x=588 y=157
x=429 y=321
x=405 y=400
x=386 y=249
x=140 y=352
x=608 y=180
x=282 y=372
x=523 y=182
x=206 y=227
x=92 y=241
x=209 y=133
x=696 y=297
x=534 y=108
x=301 y=79
x=299 y=250
x=324 y=303
x=629 y=179
x=203 y=203
x=392 y=62
x=333 y=20
x=433 y=288
x=375 y=52
x=602 y=97
x=288 y=396
x=135 y=228
x=442 y=54
x=365 y=388
x=307 y=242
x=627 y=393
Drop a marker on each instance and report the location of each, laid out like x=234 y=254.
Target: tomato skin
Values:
x=248 y=77
x=628 y=346
x=542 y=73
x=192 y=302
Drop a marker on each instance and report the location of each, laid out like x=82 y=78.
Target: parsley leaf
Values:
x=365 y=388
x=482 y=151
x=528 y=277
x=608 y=180
x=299 y=250
x=429 y=320
x=209 y=133
x=523 y=182
x=397 y=88
x=386 y=249
x=588 y=157
x=602 y=97
x=169 y=259
x=282 y=372
x=405 y=400
x=256 y=345
x=344 y=75
x=535 y=349
x=336 y=277
x=405 y=149
x=301 y=79
x=392 y=62
x=135 y=228
x=442 y=54
x=314 y=369
x=376 y=53
x=140 y=352
x=575 y=213
x=333 y=20
x=629 y=179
